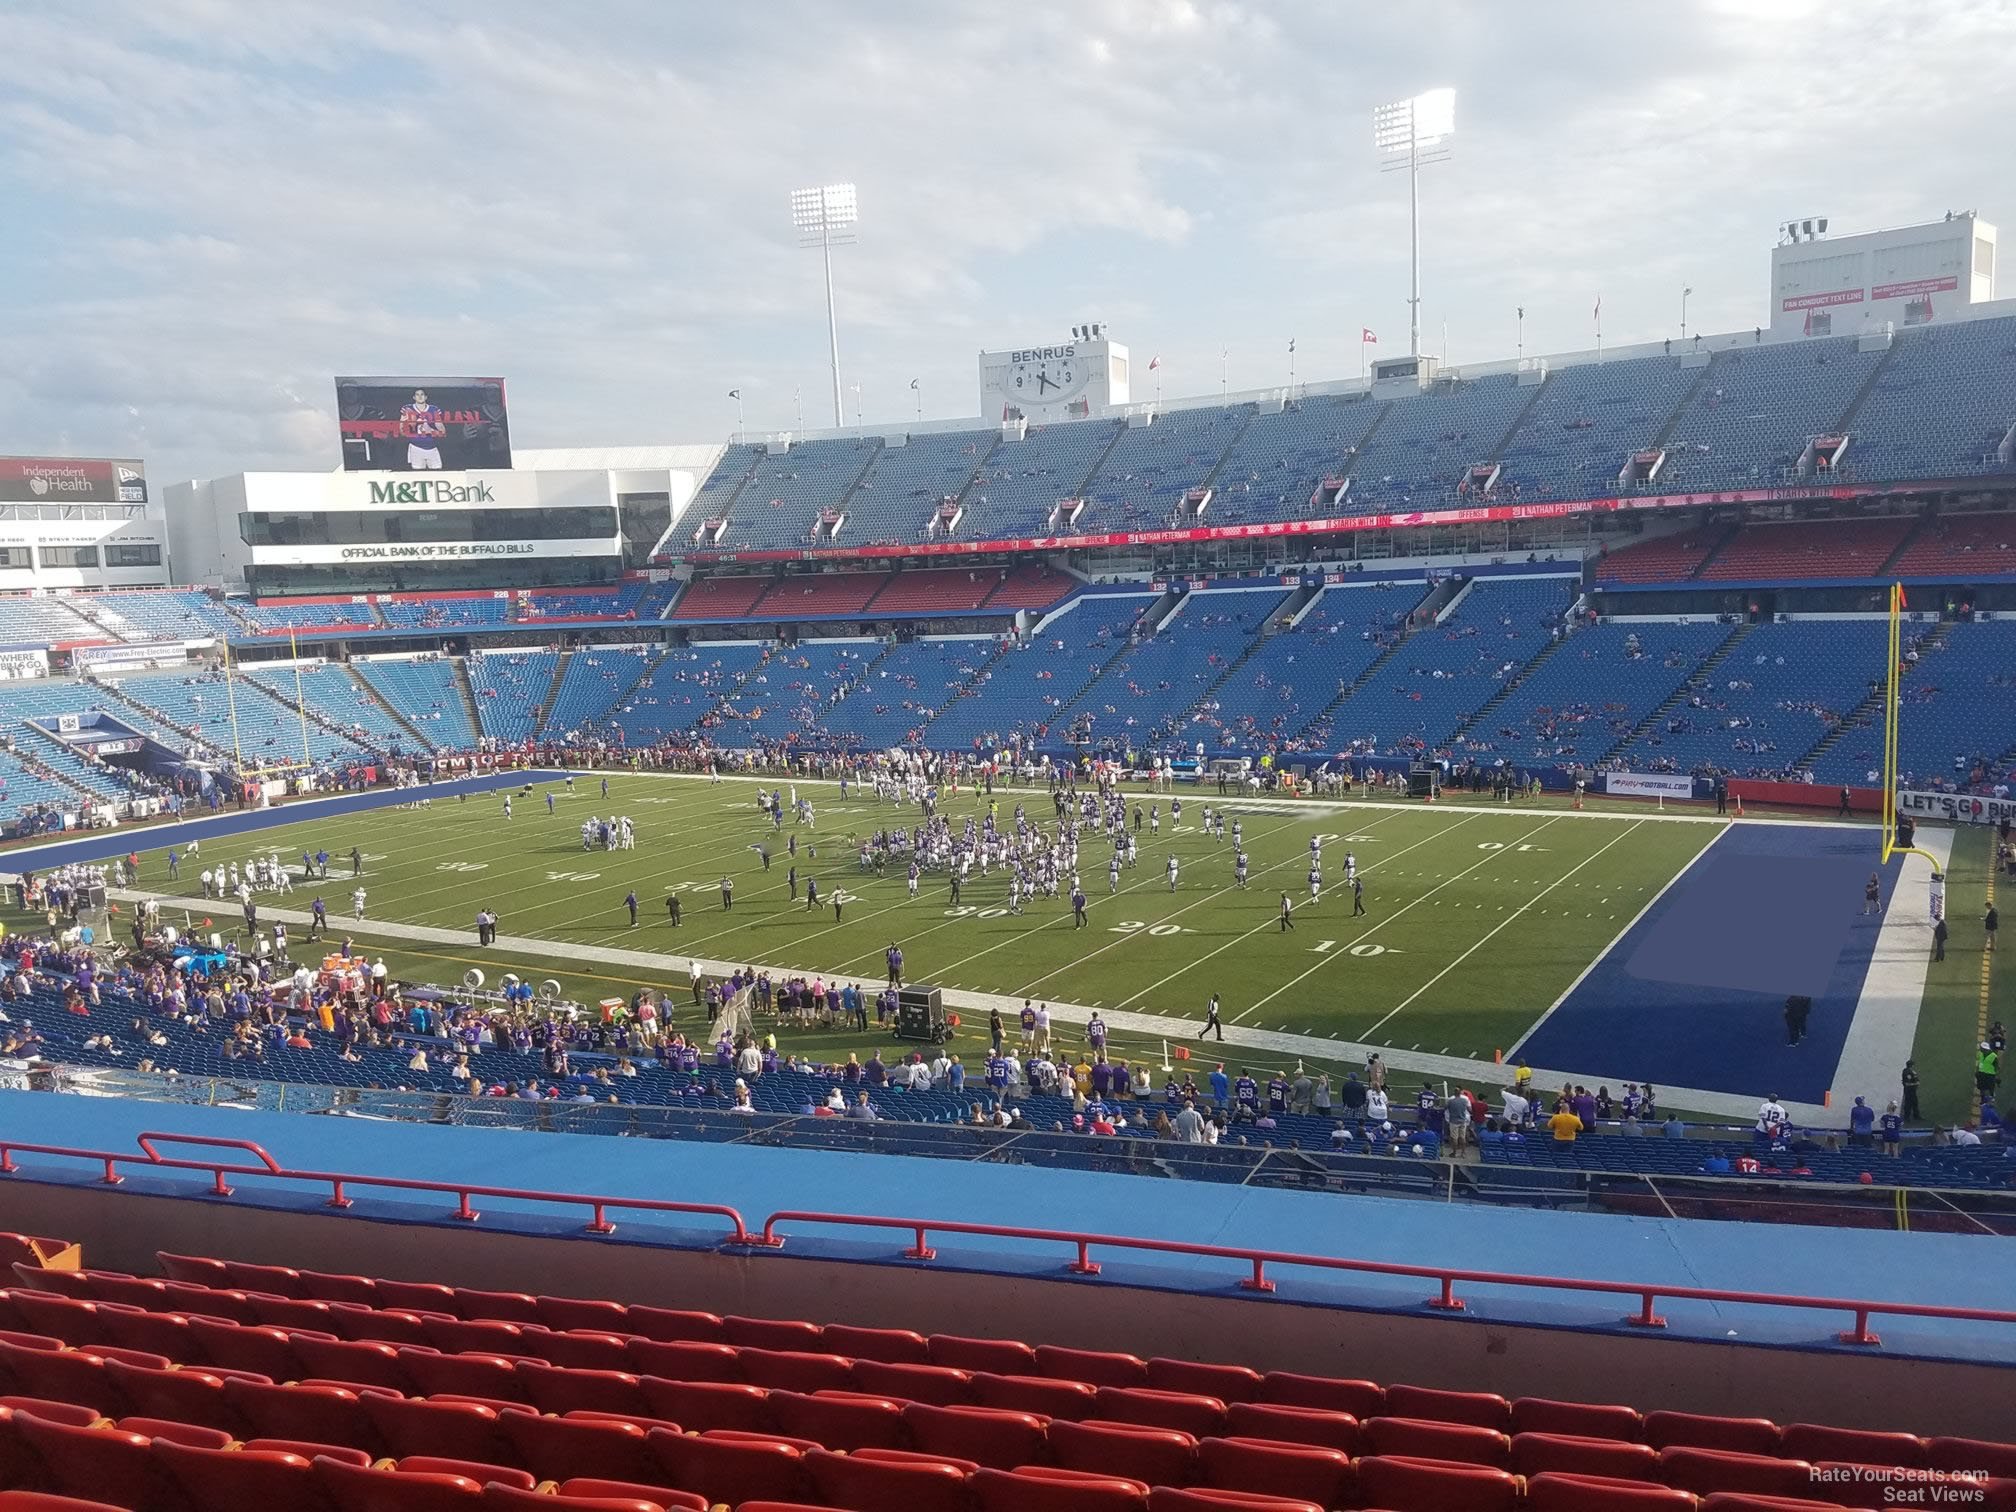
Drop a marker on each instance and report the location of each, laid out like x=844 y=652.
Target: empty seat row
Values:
x=525 y=1362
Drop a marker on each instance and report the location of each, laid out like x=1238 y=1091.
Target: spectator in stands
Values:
x=1564 y=1125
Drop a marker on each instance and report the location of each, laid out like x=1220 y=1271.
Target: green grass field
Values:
x=1475 y=924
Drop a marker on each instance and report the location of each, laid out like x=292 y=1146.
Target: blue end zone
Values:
x=103 y=845
x=1694 y=993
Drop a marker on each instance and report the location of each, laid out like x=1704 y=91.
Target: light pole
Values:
x=1411 y=134
x=736 y=395
x=825 y=218
x=1684 y=292
x=917 y=388
x=1522 y=333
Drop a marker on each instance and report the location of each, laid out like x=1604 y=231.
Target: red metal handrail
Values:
x=152 y=1159
x=1447 y=1278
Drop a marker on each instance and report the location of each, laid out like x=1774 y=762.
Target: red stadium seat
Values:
x=481 y=1336
x=685 y=1360
x=1417 y=1438
x=476 y=1375
x=311 y=1452
x=915 y=1457
x=315 y=1413
x=1362 y=1399
x=796 y=1370
x=1001 y=1356
x=1202 y=1499
x=335 y=1287
x=732 y=1469
x=1038 y=1489
x=1298 y=1472
x=241 y=1477
x=1228 y=1383
x=1404 y=1484
x=591 y=1487
x=1153 y=1456
x=19 y=1464
x=58 y=1375
x=1982 y=1456
x=184 y=1396
x=1581 y=1419
x=1694 y=1430
x=155 y=1332
x=1483 y=1409
x=357 y=1360
x=291 y=1312
x=857 y=1483
x=674 y=1327
x=455 y=1430
x=1553 y=1491
x=840 y=1419
x=550 y=1389
x=55 y=1412
x=770 y=1333
x=1064 y=1399
x=938 y=1385
x=266 y=1351
x=350 y=1489
x=1743 y=1501
x=274 y=1280
x=384 y=1325
x=581 y=1312
x=580 y=1350
x=71 y=1319
x=224 y=1303
x=417 y=1296
x=43 y=1501
x=1293 y=1425
x=555 y=1448
x=506 y=1307
x=1854 y=1446
x=200 y=1269
x=1538 y=1453
x=1002 y=1440
x=483 y=1475
x=1200 y=1415
x=511 y=1499
x=1704 y=1470
x=98 y=1464
x=1097 y=1366
x=701 y=1405
x=892 y=1346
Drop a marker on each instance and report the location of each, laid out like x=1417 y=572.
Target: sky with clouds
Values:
x=213 y=206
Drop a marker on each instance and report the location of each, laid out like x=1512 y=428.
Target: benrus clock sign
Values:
x=1069 y=380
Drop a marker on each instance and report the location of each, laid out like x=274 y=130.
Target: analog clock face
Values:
x=1051 y=380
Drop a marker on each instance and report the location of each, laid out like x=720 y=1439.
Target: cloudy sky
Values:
x=213 y=206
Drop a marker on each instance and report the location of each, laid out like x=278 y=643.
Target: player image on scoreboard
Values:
x=423 y=424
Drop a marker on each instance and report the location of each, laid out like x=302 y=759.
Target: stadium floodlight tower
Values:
x=1411 y=134
x=825 y=218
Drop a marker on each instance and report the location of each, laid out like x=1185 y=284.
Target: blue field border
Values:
x=104 y=845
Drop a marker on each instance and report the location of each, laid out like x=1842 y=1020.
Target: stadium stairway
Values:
x=420 y=742
x=321 y=720
x=468 y=692
x=1328 y=712
x=971 y=686
x=1919 y=527
x=1871 y=707
x=545 y=710
x=1511 y=686
x=1846 y=424
x=1695 y=679
x=630 y=688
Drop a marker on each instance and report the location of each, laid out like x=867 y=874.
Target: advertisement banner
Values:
x=1648 y=784
x=433 y=551
x=28 y=662
x=1956 y=808
x=423 y=424
x=1915 y=287
x=1821 y=301
x=72 y=480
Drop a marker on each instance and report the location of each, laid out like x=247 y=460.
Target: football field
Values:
x=1478 y=917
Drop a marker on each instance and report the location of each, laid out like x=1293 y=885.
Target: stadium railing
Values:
x=1731 y=1198
x=768 y=1237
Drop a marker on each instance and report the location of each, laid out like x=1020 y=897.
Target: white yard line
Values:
x=1505 y=924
